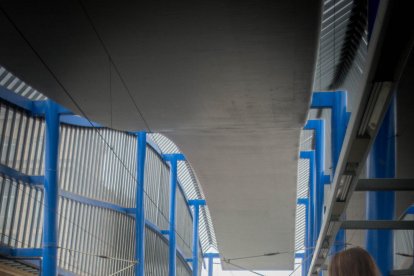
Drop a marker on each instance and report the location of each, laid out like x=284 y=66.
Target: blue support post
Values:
x=173 y=159
x=310 y=237
x=51 y=189
x=337 y=102
x=211 y=257
x=210 y=266
x=319 y=127
x=381 y=205
x=140 y=211
x=196 y=203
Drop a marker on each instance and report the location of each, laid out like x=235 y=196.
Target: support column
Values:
x=210 y=266
x=337 y=102
x=140 y=211
x=310 y=237
x=173 y=159
x=196 y=204
x=51 y=190
x=319 y=127
x=381 y=205
x=211 y=257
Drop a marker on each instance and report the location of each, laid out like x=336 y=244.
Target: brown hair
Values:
x=354 y=261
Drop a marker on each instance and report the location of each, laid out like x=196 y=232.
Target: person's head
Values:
x=354 y=261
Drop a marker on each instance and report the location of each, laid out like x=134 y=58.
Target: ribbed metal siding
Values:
x=21 y=214
x=21 y=141
x=88 y=167
x=156 y=190
x=192 y=190
x=13 y=83
x=184 y=228
x=306 y=143
x=87 y=232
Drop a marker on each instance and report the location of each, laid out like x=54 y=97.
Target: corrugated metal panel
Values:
x=306 y=143
x=342 y=42
x=92 y=240
x=13 y=83
x=192 y=190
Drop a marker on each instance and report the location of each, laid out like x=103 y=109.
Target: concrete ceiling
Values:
x=228 y=81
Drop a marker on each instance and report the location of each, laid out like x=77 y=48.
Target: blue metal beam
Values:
x=337 y=102
x=13 y=98
x=196 y=203
x=165 y=238
x=319 y=128
x=18 y=176
x=299 y=255
x=51 y=188
x=76 y=120
x=21 y=252
x=36 y=108
x=140 y=211
x=173 y=159
x=211 y=257
x=95 y=202
x=303 y=201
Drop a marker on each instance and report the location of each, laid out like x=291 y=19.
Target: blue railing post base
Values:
x=196 y=203
x=172 y=259
x=51 y=190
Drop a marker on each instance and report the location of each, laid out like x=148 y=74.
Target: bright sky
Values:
x=218 y=272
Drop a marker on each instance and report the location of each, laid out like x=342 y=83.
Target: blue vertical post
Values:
x=196 y=203
x=337 y=102
x=140 y=211
x=211 y=257
x=173 y=159
x=319 y=127
x=381 y=205
x=210 y=266
x=310 y=238
x=51 y=189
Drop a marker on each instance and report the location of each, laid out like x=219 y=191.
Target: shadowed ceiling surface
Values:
x=228 y=81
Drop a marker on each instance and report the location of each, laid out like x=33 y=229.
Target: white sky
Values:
x=218 y=272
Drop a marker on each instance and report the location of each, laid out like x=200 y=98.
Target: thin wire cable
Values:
x=73 y=99
x=126 y=268
x=259 y=256
x=97 y=255
x=110 y=92
x=88 y=17
x=243 y=268
x=28 y=246
x=16 y=184
x=304 y=260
